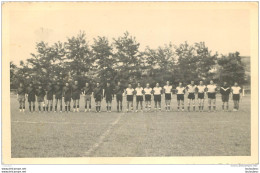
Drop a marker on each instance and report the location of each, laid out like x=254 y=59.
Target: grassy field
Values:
x=131 y=134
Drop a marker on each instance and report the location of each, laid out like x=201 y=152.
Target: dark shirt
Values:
x=40 y=92
x=87 y=90
x=66 y=91
x=31 y=91
x=58 y=90
x=21 y=91
x=109 y=92
x=97 y=91
x=75 y=89
x=119 y=90
x=50 y=90
x=225 y=90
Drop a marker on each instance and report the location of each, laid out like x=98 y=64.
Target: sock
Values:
x=89 y=106
x=60 y=108
x=110 y=108
x=66 y=108
x=47 y=108
x=55 y=108
x=183 y=107
x=202 y=107
x=69 y=107
x=39 y=107
x=199 y=107
x=30 y=108
x=188 y=108
x=223 y=107
x=43 y=108
x=227 y=107
x=117 y=108
x=20 y=107
x=209 y=107
x=193 y=108
x=214 y=107
x=107 y=108
x=77 y=106
x=33 y=108
x=51 y=108
x=97 y=108
x=23 y=107
x=121 y=107
x=178 y=107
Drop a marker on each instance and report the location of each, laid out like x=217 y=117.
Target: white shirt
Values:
x=236 y=90
x=148 y=91
x=168 y=89
x=201 y=88
x=191 y=88
x=129 y=91
x=139 y=91
x=180 y=90
x=157 y=91
x=211 y=88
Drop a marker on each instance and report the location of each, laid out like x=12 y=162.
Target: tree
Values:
x=78 y=54
x=103 y=59
x=128 y=59
x=231 y=69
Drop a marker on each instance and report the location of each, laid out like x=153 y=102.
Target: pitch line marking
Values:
x=102 y=137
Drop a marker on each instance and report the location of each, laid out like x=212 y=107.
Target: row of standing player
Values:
x=73 y=92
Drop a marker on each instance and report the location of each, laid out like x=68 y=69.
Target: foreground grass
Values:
x=134 y=134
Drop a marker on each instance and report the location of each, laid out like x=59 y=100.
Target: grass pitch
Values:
x=142 y=134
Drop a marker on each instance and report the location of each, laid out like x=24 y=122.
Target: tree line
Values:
x=122 y=60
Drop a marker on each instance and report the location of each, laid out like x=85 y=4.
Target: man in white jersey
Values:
x=201 y=93
x=180 y=91
x=147 y=95
x=211 y=90
x=129 y=96
x=236 y=90
x=139 y=91
x=157 y=92
x=168 y=95
x=191 y=89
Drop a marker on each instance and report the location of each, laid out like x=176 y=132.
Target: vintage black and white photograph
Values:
x=130 y=79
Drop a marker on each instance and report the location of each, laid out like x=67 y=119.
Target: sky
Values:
x=224 y=28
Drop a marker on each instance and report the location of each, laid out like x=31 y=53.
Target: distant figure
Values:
x=225 y=91
x=201 y=88
x=21 y=91
x=191 y=89
x=139 y=92
x=31 y=93
x=119 y=90
x=50 y=92
x=98 y=97
x=109 y=95
x=168 y=95
x=180 y=91
x=129 y=97
x=236 y=91
x=87 y=92
x=40 y=93
x=67 y=96
x=148 y=95
x=157 y=92
x=211 y=90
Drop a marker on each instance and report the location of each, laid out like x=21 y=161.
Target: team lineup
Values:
x=53 y=96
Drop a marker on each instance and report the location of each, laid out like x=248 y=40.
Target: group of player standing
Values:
x=73 y=92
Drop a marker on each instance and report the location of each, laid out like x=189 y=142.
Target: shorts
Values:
x=180 y=97
x=40 y=99
x=31 y=98
x=168 y=96
x=67 y=98
x=157 y=98
x=21 y=98
x=108 y=98
x=148 y=97
x=59 y=97
x=191 y=96
x=49 y=97
x=200 y=95
x=98 y=98
x=87 y=98
x=225 y=98
x=212 y=95
x=236 y=97
x=75 y=96
x=139 y=98
x=129 y=98
x=119 y=97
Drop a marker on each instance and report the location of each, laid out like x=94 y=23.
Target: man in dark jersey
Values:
x=21 y=91
x=50 y=92
x=98 y=97
x=75 y=89
x=67 y=96
x=31 y=96
x=40 y=93
x=119 y=90
x=58 y=95
x=108 y=94
x=87 y=92
x=225 y=91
